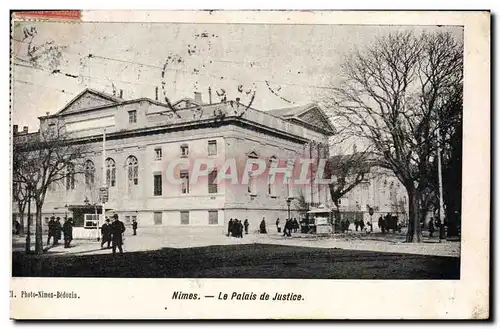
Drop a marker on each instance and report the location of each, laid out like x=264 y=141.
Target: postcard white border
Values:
x=324 y=299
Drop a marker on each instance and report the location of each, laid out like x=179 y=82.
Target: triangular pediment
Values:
x=314 y=116
x=88 y=99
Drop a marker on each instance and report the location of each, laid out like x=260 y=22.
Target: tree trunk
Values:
x=28 y=230
x=38 y=229
x=21 y=222
x=336 y=223
x=21 y=218
x=414 y=230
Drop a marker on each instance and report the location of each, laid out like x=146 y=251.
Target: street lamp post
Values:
x=288 y=201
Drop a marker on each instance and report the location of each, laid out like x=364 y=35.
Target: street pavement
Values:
x=155 y=238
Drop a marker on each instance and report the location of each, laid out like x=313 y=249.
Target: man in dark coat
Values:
x=246 y=226
x=230 y=227
x=295 y=225
x=263 y=227
x=134 y=226
x=58 y=230
x=68 y=232
x=52 y=229
x=117 y=229
x=431 y=227
x=106 y=234
x=240 y=229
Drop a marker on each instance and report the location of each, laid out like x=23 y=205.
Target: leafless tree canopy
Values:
x=44 y=160
x=346 y=171
x=395 y=94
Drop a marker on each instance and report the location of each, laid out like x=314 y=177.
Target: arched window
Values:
x=110 y=172
x=89 y=170
x=133 y=170
x=70 y=177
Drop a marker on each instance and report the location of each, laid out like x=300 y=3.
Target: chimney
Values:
x=15 y=129
x=156 y=93
x=25 y=129
x=209 y=95
x=121 y=93
x=197 y=97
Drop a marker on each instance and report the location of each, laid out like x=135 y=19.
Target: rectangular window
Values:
x=213 y=217
x=127 y=219
x=90 y=220
x=157 y=184
x=158 y=153
x=252 y=188
x=184 y=150
x=70 y=181
x=158 y=218
x=212 y=181
x=184 y=217
x=132 y=116
x=212 y=147
x=184 y=182
x=272 y=187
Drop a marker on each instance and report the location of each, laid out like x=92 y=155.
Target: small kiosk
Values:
x=319 y=220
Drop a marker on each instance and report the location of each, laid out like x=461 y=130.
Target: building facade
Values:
x=381 y=191
x=144 y=152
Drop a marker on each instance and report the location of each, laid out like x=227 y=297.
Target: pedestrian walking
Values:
x=263 y=227
x=239 y=229
x=278 y=229
x=230 y=227
x=246 y=224
x=134 y=226
x=52 y=230
x=431 y=227
x=68 y=232
x=287 y=228
x=117 y=229
x=58 y=230
x=106 y=234
x=17 y=227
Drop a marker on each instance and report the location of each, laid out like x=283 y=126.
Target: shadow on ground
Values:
x=241 y=261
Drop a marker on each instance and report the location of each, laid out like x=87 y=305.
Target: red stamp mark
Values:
x=49 y=14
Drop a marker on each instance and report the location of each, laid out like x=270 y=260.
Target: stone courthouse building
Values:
x=144 y=136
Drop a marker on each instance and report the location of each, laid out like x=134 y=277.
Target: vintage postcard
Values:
x=250 y=165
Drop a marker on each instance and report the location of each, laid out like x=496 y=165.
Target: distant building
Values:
x=380 y=190
x=144 y=136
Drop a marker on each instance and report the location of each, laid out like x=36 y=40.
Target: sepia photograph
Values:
x=241 y=150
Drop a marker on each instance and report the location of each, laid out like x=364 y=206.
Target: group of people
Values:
x=290 y=225
x=112 y=233
x=434 y=223
x=56 y=229
x=389 y=222
x=235 y=227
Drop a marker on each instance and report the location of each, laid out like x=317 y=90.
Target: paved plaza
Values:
x=156 y=238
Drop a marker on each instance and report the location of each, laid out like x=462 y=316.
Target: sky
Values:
x=286 y=65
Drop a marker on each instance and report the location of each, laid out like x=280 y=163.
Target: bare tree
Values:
x=393 y=95
x=301 y=203
x=346 y=172
x=47 y=158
